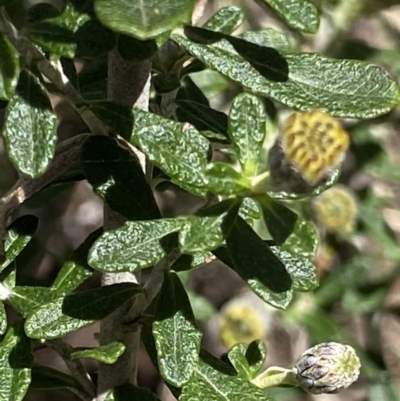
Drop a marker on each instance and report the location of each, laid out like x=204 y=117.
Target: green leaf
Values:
x=202 y=116
x=201 y=234
x=297 y=254
x=248 y=359
x=206 y=231
x=44 y=378
x=301 y=15
x=17 y=237
x=252 y=258
x=218 y=383
x=250 y=210
x=9 y=68
x=75 y=270
x=3 y=319
x=223 y=179
x=133 y=246
x=143 y=19
x=174 y=327
x=7 y=2
x=71 y=34
x=30 y=130
x=118 y=178
x=67 y=314
x=129 y=392
x=177 y=149
x=108 y=353
x=256 y=281
x=202 y=308
x=15 y=365
x=28 y=298
x=279 y=219
x=247 y=129
x=344 y=88
x=225 y=20
x=117 y=117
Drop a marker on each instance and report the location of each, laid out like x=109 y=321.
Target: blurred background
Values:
x=358 y=220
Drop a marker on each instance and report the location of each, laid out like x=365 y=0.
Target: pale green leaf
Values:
x=134 y=246
x=177 y=149
x=144 y=19
x=225 y=20
x=9 y=68
x=15 y=365
x=176 y=337
x=108 y=353
x=30 y=130
x=298 y=14
x=247 y=129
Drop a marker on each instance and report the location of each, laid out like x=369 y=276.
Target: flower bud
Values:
x=327 y=368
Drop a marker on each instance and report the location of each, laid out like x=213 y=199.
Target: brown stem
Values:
x=128 y=84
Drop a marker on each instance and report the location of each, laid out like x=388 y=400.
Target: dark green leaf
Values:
x=177 y=149
x=117 y=117
x=215 y=382
x=17 y=237
x=248 y=359
x=30 y=130
x=225 y=20
x=108 y=353
x=76 y=270
x=72 y=34
x=9 y=68
x=247 y=129
x=15 y=365
x=143 y=19
x=129 y=392
x=298 y=14
x=44 y=377
x=344 y=88
x=173 y=327
x=133 y=246
x=118 y=178
x=42 y=11
x=7 y=2
x=279 y=219
x=202 y=117
x=253 y=260
x=135 y=50
x=67 y=314
x=223 y=179
x=3 y=319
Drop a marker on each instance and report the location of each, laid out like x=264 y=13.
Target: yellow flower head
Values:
x=336 y=209
x=315 y=143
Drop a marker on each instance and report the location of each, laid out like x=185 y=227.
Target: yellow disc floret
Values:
x=314 y=142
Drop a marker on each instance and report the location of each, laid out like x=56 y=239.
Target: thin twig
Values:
x=75 y=366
